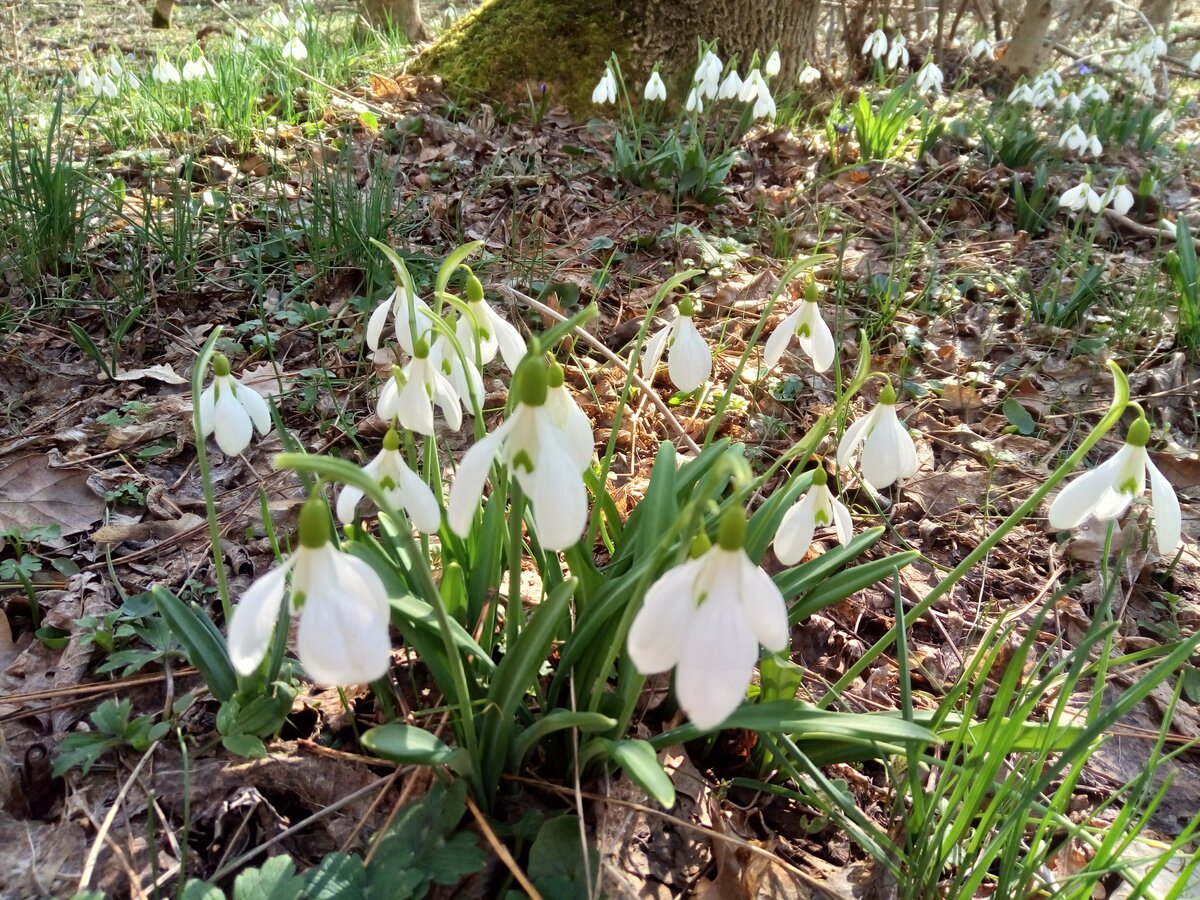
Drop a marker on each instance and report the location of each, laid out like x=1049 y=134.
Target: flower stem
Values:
x=210 y=503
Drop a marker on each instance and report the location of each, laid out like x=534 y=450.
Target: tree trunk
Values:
x=1158 y=13
x=507 y=48
x=161 y=17
x=1025 y=49
x=402 y=14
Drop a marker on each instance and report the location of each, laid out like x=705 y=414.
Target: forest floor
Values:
x=998 y=336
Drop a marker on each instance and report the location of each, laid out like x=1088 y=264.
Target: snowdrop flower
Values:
x=887 y=450
x=488 y=330
x=1022 y=93
x=707 y=78
x=876 y=44
x=278 y=19
x=1094 y=147
x=749 y=89
x=196 y=69
x=689 y=362
x=695 y=102
x=1093 y=91
x=817 y=508
x=1106 y=491
x=605 y=90
x=545 y=447
x=981 y=50
x=113 y=66
x=731 y=86
x=764 y=104
x=755 y=89
x=231 y=410
x=566 y=414
x=773 y=64
x=1050 y=77
x=411 y=393
x=1194 y=65
x=164 y=72
x=109 y=86
x=805 y=323
x=343 y=606
x=87 y=79
x=705 y=619
x=295 y=50
x=404 y=488
x=655 y=89
x=929 y=80
x=1080 y=196
x=898 y=52
x=1070 y=103
x=1119 y=197
x=460 y=369
x=1074 y=139
x=412 y=315
x=809 y=75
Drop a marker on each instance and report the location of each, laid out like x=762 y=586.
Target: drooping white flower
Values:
x=231 y=411
x=876 y=44
x=197 y=69
x=982 y=50
x=1049 y=77
x=1071 y=103
x=1080 y=196
x=412 y=315
x=605 y=90
x=805 y=323
x=655 y=89
x=764 y=104
x=707 y=77
x=112 y=65
x=405 y=489
x=749 y=89
x=109 y=87
x=809 y=75
x=773 y=64
x=695 y=103
x=705 y=619
x=566 y=414
x=295 y=50
x=164 y=72
x=1074 y=138
x=1093 y=90
x=87 y=79
x=898 y=52
x=929 y=79
x=1106 y=491
x=731 y=86
x=755 y=89
x=460 y=369
x=489 y=330
x=344 y=611
x=546 y=450
x=1194 y=64
x=1119 y=198
x=816 y=509
x=1094 y=147
x=278 y=19
x=411 y=393
x=689 y=359
x=1022 y=93
x=887 y=449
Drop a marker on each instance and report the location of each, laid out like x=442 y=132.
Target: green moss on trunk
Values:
x=507 y=47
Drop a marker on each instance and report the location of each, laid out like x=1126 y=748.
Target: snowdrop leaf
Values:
x=408 y=744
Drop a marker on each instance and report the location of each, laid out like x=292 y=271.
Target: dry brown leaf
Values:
x=32 y=493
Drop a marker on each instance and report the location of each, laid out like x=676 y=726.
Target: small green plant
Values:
x=1035 y=207
x=880 y=133
x=1007 y=136
x=116 y=727
x=1185 y=275
x=1130 y=121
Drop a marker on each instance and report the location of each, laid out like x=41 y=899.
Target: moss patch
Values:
x=507 y=47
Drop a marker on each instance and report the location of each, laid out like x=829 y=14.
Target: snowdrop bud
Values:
x=474 y=288
x=773 y=64
x=731 y=534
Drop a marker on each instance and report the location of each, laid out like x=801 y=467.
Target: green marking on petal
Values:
x=523 y=461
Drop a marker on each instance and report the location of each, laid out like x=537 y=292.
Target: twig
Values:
x=1138 y=228
x=908 y=210
x=502 y=852
x=94 y=853
x=587 y=338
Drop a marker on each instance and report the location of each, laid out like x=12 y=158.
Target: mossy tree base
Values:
x=509 y=49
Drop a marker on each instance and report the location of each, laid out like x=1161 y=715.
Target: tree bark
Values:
x=1025 y=49
x=1158 y=13
x=161 y=18
x=507 y=48
x=402 y=14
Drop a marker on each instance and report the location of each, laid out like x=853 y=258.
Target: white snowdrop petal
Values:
x=653 y=351
x=795 y=534
x=880 y=457
x=342 y=642
x=413 y=406
x=906 y=449
x=557 y=497
x=656 y=636
x=512 y=345
x=689 y=362
x=574 y=423
x=445 y=396
x=256 y=406
x=467 y=490
x=1168 y=519
x=232 y=428
x=780 y=338
x=347 y=503
x=208 y=418
x=418 y=501
x=376 y=322
x=716 y=661
x=843 y=522
x=253 y=621
x=1075 y=502
x=763 y=603
x=819 y=346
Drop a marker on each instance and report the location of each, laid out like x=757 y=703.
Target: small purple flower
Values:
x=842 y=129
x=1083 y=69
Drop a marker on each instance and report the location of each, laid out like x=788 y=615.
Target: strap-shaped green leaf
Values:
x=201 y=642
